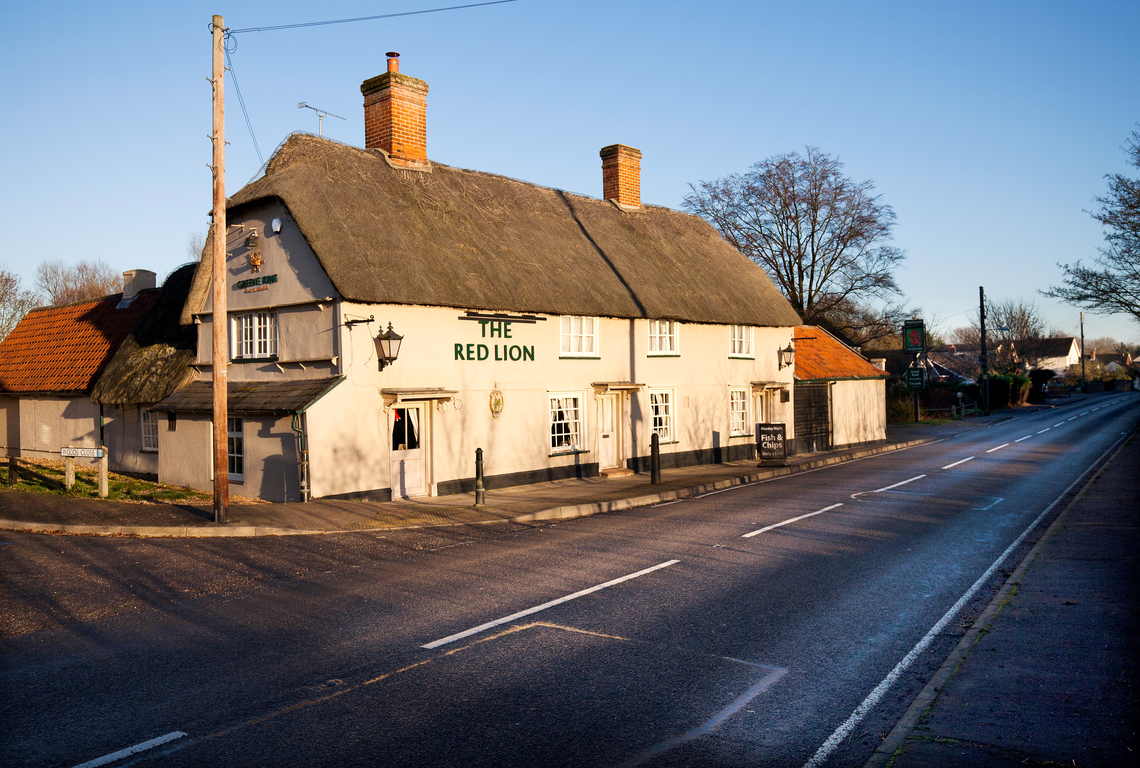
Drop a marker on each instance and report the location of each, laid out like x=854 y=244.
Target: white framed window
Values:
x=567 y=422
x=739 y=423
x=740 y=341
x=254 y=335
x=662 y=412
x=664 y=337
x=148 y=421
x=578 y=336
x=236 y=449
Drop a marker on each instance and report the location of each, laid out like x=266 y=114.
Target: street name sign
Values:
x=81 y=453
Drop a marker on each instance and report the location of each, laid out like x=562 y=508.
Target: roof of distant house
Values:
x=451 y=237
x=819 y=355
x=63 y=349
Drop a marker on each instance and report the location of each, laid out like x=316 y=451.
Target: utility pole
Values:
x=219 y=321
x=1082 y=352
x=984 y=358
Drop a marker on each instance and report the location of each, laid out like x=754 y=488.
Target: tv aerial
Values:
x=320 y=117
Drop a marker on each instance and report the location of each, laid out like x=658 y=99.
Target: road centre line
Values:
x=1058 y=424
x=1070 y=419
x=896 y=485
x=956 y=463
x=1044 y=430
x=791 y=520
x=114 y=756
x=544 y=606
x=1083 y=414
x=1018 y=440
x=1003 y=445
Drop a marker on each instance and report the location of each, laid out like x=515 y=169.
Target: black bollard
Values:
x=655 y=459
x=480 y=492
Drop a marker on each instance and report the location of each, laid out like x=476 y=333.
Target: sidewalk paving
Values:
x=1049 y=673
x=561 y=499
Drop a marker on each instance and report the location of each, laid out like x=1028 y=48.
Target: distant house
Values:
x=840 y=397
x=1053 y=354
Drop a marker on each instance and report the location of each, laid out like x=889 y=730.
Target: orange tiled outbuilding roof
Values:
x=819 y=355
x=63 y=349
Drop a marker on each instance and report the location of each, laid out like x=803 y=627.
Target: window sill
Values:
x=663 y=354
x=742 y=357
x=272 y=359
x=148 y=450
x=579 y=357
x=731 y=437
x=567 y=453
x=668 y=442
x=237 y=480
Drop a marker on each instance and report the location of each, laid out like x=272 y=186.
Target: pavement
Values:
x=1047 y=675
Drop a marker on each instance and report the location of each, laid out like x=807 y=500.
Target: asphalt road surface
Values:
x=786 y=623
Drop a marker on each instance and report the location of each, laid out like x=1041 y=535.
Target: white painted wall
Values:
x=858 y=411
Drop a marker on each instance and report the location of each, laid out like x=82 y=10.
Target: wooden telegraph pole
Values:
x=219 y=321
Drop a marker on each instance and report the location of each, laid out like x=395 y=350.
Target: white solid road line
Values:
x=1018 y=440
x=896 y=485
x=131 y=750
x=1003 y=445
x=543 y=607
x=956 y=463
x=791 y=520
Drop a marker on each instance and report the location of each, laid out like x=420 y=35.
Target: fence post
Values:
x=655 y=459
x=12 y=470
x=103 y=490
x=69 y=472
x=480 y=491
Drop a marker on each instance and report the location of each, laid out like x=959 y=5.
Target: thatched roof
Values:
x=155 y=359
x=457 y=238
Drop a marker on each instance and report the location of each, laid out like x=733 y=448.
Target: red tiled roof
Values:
x=63 y=349
x=819 y=355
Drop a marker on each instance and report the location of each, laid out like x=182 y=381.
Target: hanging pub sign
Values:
x=914 y=336
x=771 y=442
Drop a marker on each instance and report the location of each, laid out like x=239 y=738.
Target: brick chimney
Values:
x=395 y=115
x=621 y=175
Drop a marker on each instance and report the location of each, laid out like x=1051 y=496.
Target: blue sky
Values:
x=987 y=126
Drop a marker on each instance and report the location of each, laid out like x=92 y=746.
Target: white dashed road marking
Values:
x=956 y=463
x=1003 y=445
x=790 y=520
x=896 y=485
x=144 y=746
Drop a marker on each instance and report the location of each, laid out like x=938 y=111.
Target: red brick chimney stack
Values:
x=395 y=115
x=621 y=175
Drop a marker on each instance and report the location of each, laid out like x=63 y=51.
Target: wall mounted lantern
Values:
x=787 y=356
x=388 y=347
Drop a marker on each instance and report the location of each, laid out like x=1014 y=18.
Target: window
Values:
x=255 y=335
x=566 y=423
x=149 y=422
x=738 y=422
x=236 y=450
x=661 y=412
x=578 y=337
x=740 y=341
x=664 y=337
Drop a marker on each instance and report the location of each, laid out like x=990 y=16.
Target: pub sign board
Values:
x=772 y=442
x=914 y=336
x=915 y=378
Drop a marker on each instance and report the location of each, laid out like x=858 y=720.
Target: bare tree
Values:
x=15 y=301
x=195 y=244
x=1014 y=330
x=822 y=238
x=1112 y=285
x=61 y=283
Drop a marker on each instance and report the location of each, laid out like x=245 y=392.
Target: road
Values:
x=789 y=622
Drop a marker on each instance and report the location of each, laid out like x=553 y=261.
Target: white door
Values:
x=407 y=454
x=607 y=432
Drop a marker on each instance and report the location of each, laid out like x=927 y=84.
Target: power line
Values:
x=365 y=18
x=244 y=112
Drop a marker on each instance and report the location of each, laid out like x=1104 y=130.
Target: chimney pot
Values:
x=393 y=61
x=621 y=175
